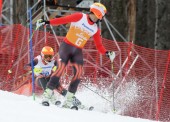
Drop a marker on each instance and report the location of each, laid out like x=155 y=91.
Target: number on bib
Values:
x=79 y=41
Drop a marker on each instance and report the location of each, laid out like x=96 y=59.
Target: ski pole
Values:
x=33 y=32
x=96 y=93
x=27 y=73
x=112 y=57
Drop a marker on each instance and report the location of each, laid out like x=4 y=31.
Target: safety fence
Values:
x=140 y=75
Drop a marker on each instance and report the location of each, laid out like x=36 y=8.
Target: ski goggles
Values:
x=50 y=56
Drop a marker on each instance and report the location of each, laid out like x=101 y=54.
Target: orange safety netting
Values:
x=147 y=68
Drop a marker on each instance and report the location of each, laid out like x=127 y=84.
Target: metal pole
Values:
x=11 y=12
x=133 y=63
x=45 y=29
x=53 y=31
x=155 y=46
x=107 y=24
x=1 y=2
x=27 y=10
x=31 y=55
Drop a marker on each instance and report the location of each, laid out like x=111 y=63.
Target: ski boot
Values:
x=48 y=96
x=71 y=101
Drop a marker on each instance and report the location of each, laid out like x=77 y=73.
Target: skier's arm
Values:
x=55 y=66
x=28 y=66
x=98 y=42
x=55 y=63
x=66 y=19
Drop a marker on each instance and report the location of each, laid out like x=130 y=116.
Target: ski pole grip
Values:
x=112 y=56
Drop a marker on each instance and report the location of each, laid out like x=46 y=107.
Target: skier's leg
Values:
x=77 y=64
x=77 y=68
x=54 y=83
x=55 y=77
x=71 y=100
x=42 y=82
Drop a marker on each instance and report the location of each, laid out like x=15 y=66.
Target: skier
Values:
x=83 y=26
x=44 y=65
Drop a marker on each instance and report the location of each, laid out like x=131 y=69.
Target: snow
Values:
x=18 y=108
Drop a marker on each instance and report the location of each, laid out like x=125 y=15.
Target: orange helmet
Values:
x=98 y=9
x=47 y=51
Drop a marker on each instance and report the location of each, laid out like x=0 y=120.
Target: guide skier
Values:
x=83 y=26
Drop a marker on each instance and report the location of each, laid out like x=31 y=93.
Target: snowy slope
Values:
x=18 y=108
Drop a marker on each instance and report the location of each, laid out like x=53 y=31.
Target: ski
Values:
x=74 y=107
x=58 y=103
x=82 y=107
x=46 y=103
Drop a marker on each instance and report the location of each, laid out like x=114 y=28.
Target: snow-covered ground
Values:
x=18 y=108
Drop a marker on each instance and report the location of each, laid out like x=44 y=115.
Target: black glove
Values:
x=108 y=53
x=111 y=55
x=46 y=22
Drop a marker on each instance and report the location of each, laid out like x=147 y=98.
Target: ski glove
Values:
x=111 y=55
x=41 y=22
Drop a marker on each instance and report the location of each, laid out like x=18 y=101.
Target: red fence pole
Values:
x=162 y=89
